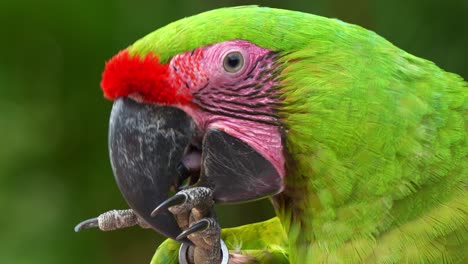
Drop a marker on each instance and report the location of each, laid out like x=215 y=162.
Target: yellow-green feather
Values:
x=375 y=138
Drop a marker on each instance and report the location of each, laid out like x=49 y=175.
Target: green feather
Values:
x=375 y=138
x=245 y=22
x=378 y=136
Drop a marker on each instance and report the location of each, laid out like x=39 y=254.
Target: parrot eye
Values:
x=233 y=62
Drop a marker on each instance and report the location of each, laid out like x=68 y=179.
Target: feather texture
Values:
x=375 y=138
x=377 y=146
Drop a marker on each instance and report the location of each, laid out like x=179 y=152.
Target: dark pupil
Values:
x=233 y=60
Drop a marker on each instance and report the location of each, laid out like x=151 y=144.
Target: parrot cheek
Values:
x=146 y=143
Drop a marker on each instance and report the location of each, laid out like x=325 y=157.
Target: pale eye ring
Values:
x=233 y=62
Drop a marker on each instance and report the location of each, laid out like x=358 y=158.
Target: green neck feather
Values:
x=375 y=139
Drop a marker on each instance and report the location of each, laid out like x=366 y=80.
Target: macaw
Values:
x=360 y=146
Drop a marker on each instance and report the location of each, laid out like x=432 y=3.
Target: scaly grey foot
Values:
x=112 y=220
x=195 y=215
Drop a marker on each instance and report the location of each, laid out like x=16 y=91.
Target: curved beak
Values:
x=146 y=143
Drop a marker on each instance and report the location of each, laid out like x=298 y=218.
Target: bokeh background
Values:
x=54 y=167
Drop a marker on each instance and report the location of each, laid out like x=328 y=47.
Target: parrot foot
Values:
x=194 y=213
x=112 y=220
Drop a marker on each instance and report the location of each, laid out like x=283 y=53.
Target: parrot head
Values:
x=195 y=103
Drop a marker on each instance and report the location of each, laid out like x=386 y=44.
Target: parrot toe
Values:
x=112 y=220
x=178 y=199
x=204 y=225
x=198 y=200
x=205 y=235
x=194 y=213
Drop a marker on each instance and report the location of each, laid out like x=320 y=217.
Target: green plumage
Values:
x=375 y=138
x=378 y=143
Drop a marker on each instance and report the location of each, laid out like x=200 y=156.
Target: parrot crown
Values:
x=142 y=77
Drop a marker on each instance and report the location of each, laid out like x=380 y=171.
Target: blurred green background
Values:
x=54 y=167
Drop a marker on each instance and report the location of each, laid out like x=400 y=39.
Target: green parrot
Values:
x=360 y=146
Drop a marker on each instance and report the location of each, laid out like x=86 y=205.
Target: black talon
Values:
x=177 y=199
x=87 y=224
x=198 y=226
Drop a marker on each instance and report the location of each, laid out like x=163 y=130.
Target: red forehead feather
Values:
x=125 y=75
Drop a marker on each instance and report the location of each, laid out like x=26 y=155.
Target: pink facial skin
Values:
x=241 y=104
